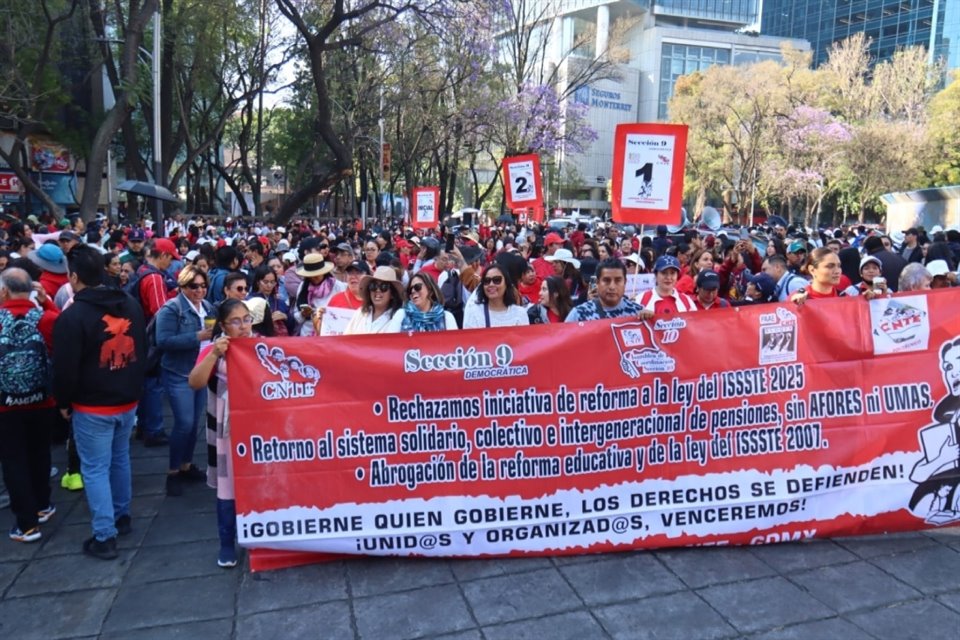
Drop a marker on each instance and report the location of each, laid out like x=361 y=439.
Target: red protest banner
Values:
x=739 y=426
x=648 y=162
x=521 y=175
x=425 y=207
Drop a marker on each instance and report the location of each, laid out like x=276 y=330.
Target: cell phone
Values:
x=449 y=242
x=306 y=307
x=744 y=233
x=879 y=282
x=593 y=283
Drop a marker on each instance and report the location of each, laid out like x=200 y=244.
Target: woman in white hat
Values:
x=317 y=288
x=382 y=296
x=568 y=268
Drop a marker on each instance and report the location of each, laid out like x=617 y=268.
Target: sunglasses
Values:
x=240 y=289
x=236 y=323
x=324 y=246
x=494 y=280
x=415 y=288
x=382 y=287
x=196 y=285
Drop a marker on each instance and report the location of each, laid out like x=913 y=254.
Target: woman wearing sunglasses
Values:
x=497 y=302
x=423 y=310
x=381 y=297
x=233 y=321
x=182 y=324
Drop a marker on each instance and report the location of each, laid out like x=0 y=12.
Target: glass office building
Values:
x=890 y=24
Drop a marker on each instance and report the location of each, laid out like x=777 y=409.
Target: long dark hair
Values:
x=510 y=296
x=557 y=288
x=259 y=274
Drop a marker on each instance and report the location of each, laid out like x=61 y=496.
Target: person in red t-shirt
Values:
x=529 y=286
x=348 y=299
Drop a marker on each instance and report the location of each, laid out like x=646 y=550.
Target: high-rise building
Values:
x=889 y=24
x=671 y=38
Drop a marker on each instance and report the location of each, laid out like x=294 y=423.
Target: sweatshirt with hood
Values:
x=98 y=365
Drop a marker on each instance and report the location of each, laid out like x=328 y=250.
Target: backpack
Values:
x=452 y=292
x=133 y=284
x=24 y=361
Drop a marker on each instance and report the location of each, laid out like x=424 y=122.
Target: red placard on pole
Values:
x=521 y=177
x=648 y=163
x=426 y=207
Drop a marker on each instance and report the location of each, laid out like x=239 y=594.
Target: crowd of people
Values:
x=121 y=319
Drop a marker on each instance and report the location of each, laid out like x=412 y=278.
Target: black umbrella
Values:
x=506 y=218
x=147 y=190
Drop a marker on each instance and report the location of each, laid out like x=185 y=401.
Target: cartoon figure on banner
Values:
x=778 y=337
x=276 y=362
x=937 y=498
x=639 y=352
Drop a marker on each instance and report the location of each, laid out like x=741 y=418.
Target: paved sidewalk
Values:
x=166 y=584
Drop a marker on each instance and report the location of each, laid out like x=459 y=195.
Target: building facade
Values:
x=670 y=38
x=889 y=24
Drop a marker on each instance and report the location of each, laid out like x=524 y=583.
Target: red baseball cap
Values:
x=552 y=238
x=165 y=245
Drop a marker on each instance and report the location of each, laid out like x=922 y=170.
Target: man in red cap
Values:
x=541 y=265
x=153 y=288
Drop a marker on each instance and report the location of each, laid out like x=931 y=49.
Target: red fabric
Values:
x=104 y=410
x=432 y=270
x=686 y=284
x=532 y=291
x=814 y=294
x=52 y=282
x=543 y=268
x=153 y=294
x=345 y=300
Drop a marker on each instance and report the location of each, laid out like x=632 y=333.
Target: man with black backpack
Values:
x=26 y=406
x=151 y=287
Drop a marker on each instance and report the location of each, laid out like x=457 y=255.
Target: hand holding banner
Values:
x=648 y=163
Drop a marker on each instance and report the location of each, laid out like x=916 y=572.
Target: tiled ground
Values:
x=167 y=585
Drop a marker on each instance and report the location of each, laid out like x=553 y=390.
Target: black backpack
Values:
x=452 y=292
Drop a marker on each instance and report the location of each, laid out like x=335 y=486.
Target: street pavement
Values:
x=166 y=584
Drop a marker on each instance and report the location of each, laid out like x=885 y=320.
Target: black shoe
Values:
x=174 y=485
x=157 y=440
x=106 y=550
x=123 y=526
x=193 y=474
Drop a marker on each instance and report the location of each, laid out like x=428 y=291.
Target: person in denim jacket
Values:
x=181 y=330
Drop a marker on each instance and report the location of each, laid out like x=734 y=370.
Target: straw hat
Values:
x=383 y=274
x=314 y=265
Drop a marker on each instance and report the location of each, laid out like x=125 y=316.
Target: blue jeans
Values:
x=150 y=411
x=103 y=443
x=189 y=412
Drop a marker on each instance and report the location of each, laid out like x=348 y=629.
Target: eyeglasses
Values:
x=382 y=286
x=196 y=285
x=240 y=289
x=269 y=283
x=415 y=288
x=494 y=280
x=236 y=323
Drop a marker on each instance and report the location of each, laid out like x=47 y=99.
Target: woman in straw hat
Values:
x=382 y=296
x=317 y=288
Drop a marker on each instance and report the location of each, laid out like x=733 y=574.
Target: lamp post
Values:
x=160 y=230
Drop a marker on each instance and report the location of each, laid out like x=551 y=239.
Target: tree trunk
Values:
x=115 y=117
